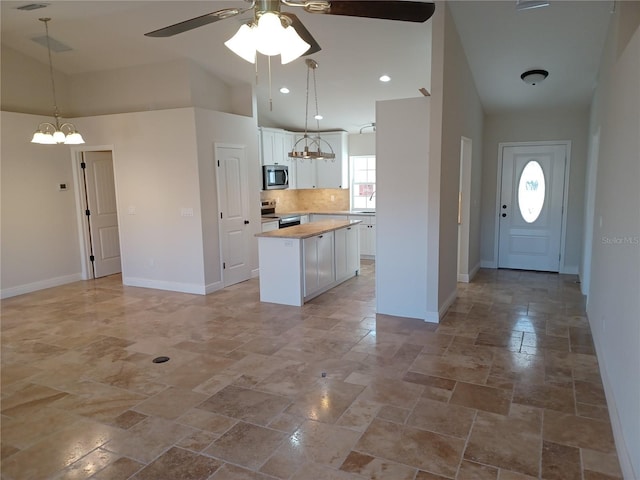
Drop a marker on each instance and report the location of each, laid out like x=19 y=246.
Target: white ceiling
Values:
x=500 y=43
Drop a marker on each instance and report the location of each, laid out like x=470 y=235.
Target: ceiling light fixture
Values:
x=284 y=90
x=49 y=133
x=533 y=77
x=385 y=78
x=530 y=4
x=270 y=34
x=311 y=146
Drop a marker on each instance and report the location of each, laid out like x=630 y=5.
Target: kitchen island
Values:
x=301 y=262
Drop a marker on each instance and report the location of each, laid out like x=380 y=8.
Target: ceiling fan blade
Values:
x=405 y=11
x=196 y=22
x=304 y=33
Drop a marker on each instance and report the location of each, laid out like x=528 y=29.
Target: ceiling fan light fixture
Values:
x=292 y=46
x=533 y=77
x=269 y=34
x=243 y=43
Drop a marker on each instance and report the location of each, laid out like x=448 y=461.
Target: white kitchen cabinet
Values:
x=324 y=173
x=318 y=262
x=275 y=145
x=367 y=235
x=270 y=226
x=347 y=252
x=304 y=219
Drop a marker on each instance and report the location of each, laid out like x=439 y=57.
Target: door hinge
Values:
x=224 y=265
x=83 y=165
x=87 y=212
x=92 y=258
x=220 y=214
x=218 y=162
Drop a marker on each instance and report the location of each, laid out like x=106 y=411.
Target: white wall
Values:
x=39 y=235
x=614 y=295
x=156 y=173
x=216 y=127
x=462 y=115
x=402 y=172
x=546 y=125
x=26 y=86
x=362 y=144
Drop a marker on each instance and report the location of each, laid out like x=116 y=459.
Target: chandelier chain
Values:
x=56 y=113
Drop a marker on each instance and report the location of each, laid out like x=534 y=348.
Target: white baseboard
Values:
x=213 y=287
x=622 y=449
x=40 y=285
x=570 y=269
x=488 y=264
x=467 y=277
x=162 y=285
x=255 y=273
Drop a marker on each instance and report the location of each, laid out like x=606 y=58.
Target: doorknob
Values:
x=504 y=215
x=504 y=206
x=246 y=222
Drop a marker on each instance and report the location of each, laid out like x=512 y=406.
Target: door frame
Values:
x=81 y=206
x=565 y=196
x=243 y=147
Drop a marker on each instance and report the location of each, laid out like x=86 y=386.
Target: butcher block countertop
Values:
x=307 y=230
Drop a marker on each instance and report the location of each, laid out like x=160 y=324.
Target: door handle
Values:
x=504 y=215
x=504 y=206
x=246 y=222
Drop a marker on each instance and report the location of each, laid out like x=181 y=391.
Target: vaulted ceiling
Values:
x=565 y=38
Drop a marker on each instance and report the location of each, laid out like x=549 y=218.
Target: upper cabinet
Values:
x=334 y=173
x=275 y=145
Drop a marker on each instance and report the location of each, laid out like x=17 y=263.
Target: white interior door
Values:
x=233 y=198
x=531 y=207
x=102 y=212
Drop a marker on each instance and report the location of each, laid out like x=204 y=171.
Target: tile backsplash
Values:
x=297 y=200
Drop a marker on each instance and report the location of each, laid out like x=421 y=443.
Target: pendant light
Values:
x=311 y=146
x=50 y=133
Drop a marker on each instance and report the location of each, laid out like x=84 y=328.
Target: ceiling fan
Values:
x=406 y=11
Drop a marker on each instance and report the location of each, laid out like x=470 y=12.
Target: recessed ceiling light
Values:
x=385 y=78
x=318 y=117
x=284 y=90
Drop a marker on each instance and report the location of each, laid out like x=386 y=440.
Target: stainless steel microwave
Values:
x=275 y=177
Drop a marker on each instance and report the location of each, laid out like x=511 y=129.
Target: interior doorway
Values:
x=233 y=203
x=531 y=207
x=99 y=213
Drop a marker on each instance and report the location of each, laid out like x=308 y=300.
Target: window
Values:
x=531 y=190
x=363 y=182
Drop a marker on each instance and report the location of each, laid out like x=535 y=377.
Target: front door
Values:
x=233 y=198
x=531 y=207
x=102 y=217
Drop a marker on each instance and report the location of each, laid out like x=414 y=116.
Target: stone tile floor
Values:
x=506 y=387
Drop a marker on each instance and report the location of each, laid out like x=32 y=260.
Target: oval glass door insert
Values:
x=531 y=191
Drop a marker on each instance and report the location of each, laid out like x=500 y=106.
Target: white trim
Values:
x=40 y=285
x=213 y=287
x=81 y=204
x=622 y=449
x=163 y=285
x=565 y=195
x=466 y=278
x=569 y=270
x=255 y=273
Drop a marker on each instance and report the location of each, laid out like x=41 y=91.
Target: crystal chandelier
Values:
x=53 y=133
x=310 y=146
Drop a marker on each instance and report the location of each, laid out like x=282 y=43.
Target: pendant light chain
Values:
x=306 y=111
x=315 y=91
x=56 y=112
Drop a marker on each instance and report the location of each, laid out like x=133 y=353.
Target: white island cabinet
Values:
x=301 y=262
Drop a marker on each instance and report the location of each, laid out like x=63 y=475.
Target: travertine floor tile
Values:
x=506 y=387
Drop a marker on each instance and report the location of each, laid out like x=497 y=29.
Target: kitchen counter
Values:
x=330 y=212
x=308 y=230
x=301 y=262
